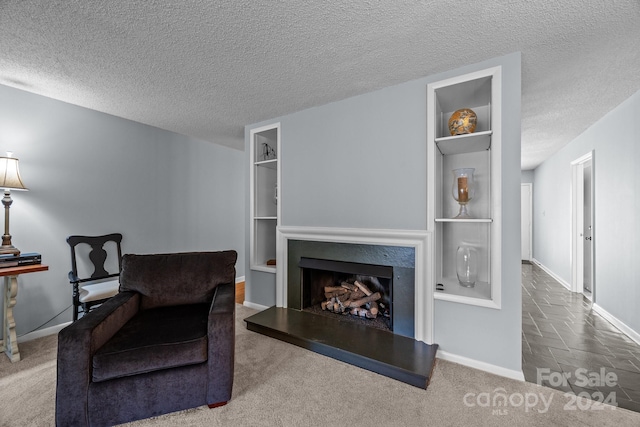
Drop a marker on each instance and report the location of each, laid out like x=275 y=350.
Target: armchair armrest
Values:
x=221 y=341
x=77 y=343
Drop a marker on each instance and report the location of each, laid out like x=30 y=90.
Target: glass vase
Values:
x=467 y=265
x=463 y=190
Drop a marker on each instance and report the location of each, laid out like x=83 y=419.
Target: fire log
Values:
x=342 y=291
x=374 y=308
x=357 y=294
x=363 y=288
x=343 y=297
x=363 y=301
x=349 y=286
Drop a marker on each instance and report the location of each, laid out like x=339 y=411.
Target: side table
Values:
x=9 y=294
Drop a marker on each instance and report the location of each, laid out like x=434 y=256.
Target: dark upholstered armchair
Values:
x=163 y=344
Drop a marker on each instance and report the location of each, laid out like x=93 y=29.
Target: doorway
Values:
x=526 y=229
x=582 y=230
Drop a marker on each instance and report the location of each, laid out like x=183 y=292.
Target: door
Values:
x=526 y=223
x=582 y=229
x=587 y=287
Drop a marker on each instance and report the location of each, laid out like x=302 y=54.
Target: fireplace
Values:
x=392 y=266
x=352 y=291
x=391 y=262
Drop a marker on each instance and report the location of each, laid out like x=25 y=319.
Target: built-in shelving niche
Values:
x=265 y=201
x=479 y=91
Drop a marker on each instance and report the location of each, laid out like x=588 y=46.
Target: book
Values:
x=6 y=264
x=27 y=258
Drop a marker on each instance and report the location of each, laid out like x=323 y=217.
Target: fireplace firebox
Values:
x=357 y=292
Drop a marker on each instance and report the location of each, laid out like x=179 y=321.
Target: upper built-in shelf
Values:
x=468 y=143
x=474 y=94
x=465 y=220
x=271 y=163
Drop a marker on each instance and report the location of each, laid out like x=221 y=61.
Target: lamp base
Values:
x=9 y=250
x=7 y=247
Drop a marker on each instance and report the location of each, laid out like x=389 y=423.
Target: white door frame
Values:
x=530 y=185
x=577 y=222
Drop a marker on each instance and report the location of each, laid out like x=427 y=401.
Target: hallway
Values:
x=561 y=333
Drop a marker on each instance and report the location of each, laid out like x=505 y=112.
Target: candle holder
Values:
x=463 y=190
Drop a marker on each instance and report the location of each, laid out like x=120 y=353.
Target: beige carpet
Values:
x=278 y=384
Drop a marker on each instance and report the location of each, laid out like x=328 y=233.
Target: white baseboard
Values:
x=482 y=366
x=43 y=332
x=617 y=323
x=255 y=306
x=552 y=274
x=248 y=303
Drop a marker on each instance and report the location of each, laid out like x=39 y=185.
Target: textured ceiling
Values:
x=206 y=68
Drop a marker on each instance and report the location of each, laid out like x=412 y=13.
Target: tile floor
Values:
x=561 y=333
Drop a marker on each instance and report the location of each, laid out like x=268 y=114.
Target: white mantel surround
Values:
x=419 y=240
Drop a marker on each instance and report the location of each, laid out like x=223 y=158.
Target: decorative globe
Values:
x=463 y=121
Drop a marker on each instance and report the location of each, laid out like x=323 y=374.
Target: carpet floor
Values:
x=278 y=384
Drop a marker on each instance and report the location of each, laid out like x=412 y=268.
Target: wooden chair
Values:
x=94 y=289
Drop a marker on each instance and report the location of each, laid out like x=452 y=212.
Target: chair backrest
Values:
x=97 y=256
x=178 y=278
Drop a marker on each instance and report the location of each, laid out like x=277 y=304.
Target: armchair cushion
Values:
x=162 y=279
x=154 y=339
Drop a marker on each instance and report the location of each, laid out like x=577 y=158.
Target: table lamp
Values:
x=9 y=180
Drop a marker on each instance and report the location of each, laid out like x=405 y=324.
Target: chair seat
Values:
x=154 y=339
x=98 y=291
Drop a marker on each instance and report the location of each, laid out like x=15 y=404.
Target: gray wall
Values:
x=92 y=173
x=361 y=163
x=615 y=140
x=527 y=177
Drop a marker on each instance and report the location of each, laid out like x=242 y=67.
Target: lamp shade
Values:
x=10 y=174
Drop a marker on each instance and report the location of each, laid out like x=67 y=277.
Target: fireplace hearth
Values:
x=394 y=356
